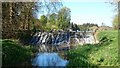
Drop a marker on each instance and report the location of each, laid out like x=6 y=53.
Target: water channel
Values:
x=49 y=44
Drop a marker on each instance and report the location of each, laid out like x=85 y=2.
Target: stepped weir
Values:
x=49 y=44
x=61 y=40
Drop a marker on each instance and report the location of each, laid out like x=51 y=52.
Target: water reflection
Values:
x=49 y=59
x=47 y=43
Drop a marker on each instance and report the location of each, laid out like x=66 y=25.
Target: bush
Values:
x=25 y=37
x=13 y=54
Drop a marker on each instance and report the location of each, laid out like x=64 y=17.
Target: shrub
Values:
x=13 y=54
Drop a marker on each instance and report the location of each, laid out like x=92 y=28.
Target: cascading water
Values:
x=49 y=43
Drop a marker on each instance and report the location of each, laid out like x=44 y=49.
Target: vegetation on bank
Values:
x=103 y=54
x=19 y=23
x=13 y=54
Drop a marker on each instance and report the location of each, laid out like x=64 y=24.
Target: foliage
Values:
x=103 y=54
x=116 y=22
x=64 y=18
x=52 y=21
x=116 y=5
x=74 y=27
x=13 y=54
x=60 y=20
x=53 y=18
x=86 y=26
x=18 y=16
x=43 y=21
x=25 y=37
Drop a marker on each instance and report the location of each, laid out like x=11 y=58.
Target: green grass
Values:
x=103 y=54
x=13 y=53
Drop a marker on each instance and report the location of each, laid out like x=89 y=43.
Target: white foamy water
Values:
x=89 y=39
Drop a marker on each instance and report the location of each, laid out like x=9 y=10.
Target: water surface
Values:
x=48 y=59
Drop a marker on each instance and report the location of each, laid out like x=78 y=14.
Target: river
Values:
x=49 y=59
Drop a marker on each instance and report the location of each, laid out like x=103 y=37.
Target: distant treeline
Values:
x=86 y=26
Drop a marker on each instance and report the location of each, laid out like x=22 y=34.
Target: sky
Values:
x=91 y=12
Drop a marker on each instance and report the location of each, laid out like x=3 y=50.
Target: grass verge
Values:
x=103 y=54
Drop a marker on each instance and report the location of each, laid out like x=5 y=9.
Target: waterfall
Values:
x=48 y=43
x=45 y=40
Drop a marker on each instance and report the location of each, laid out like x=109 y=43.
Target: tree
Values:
x=43 y=21
x=116 y=23
x=53 y=18
x=52 y=21
x=18 y=16
x=64 y=18
x=102 y=24
x=86 y=26
x=116 y=4
x=71 y=26
x=76 y=27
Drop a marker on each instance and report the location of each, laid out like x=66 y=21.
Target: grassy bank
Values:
x=103 y=54
x=13 y=54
